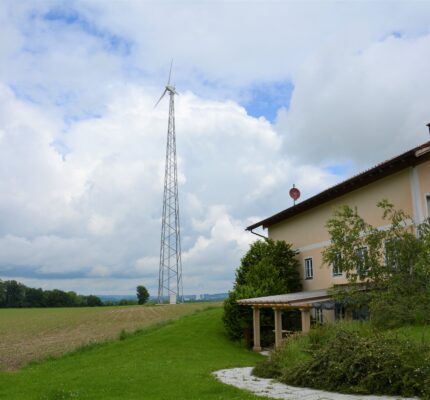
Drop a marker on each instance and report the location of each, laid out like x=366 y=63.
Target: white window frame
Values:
x=394 y=266
x=335 y=272
x=366 y=250
x=319 y=316
x=309 y=270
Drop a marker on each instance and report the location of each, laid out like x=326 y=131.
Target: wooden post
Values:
x=256 y=320
x=278 y=327
x=306 y=319
x=348 y=314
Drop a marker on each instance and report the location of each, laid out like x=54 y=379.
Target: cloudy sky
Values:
x=271 y=93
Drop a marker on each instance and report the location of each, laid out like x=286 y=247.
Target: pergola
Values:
x=302 y=301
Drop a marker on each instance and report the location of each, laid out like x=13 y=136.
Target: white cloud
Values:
x=365 y=107
x=82 y=148
x=109 y=188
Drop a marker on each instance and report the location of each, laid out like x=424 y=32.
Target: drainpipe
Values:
x=257 y=234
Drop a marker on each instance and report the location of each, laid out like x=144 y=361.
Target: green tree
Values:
x=15 y=293
x=142 y=294
x=93 y=301
x=34 y=298
x=268 y=268
x=2 y=294
x=58 y=298
x=388 y=269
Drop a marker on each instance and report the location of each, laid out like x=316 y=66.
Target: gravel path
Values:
x=242 y=379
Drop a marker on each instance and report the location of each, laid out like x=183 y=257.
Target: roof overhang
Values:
x=411 y=158
x=290 y=300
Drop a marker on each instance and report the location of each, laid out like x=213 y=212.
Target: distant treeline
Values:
x=14 y=294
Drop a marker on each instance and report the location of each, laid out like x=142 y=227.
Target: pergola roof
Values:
x=290 y=300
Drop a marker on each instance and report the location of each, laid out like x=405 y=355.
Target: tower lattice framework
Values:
x=170 y=273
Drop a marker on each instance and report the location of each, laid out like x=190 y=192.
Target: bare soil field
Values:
x=34 y=334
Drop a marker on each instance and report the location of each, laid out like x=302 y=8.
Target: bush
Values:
x=268 y=268
x=281 y=361
x=348 y=360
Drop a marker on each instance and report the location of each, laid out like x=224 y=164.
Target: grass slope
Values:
x=173 y=361
x=35 y=333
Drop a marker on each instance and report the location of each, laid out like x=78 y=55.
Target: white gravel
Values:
x=242 y=379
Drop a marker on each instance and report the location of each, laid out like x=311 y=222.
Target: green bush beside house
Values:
x=268 y=268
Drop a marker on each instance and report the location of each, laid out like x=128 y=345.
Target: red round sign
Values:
x=294 y=193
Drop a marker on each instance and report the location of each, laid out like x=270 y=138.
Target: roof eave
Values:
x=410 y=158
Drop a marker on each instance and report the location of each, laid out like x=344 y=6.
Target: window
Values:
x=339 y=312
x=309 y=271
x=428 y=205
x=318 y=315
x=362 y=262
x=360 y=314
x=391 y=254
x=336 y=266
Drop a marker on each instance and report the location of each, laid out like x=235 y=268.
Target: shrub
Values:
x=280 y=362
x=348 y=360
x=268 y=268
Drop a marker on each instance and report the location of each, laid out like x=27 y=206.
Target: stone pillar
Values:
x=278 y=327
x=256 y=319
x=306 y=319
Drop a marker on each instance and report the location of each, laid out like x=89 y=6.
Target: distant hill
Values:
x=189 y=297
x=117 y=297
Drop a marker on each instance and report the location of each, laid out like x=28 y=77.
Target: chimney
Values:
x=428 y=126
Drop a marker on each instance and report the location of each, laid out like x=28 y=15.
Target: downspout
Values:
x=257 y=234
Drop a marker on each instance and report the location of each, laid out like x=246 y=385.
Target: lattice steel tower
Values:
x=170 y=273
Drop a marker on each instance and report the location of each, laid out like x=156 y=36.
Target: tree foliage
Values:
x=142 y=294
x=14 y=294
x=268 y=268
x=388 y=269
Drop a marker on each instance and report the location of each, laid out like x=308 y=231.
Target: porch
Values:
x=303 y=301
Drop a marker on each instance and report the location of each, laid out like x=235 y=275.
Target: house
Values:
x=403 y=180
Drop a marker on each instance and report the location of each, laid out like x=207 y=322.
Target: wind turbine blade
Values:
x=156 y=104
x=170 y=72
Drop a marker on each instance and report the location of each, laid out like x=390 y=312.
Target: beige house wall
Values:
x=406 y=189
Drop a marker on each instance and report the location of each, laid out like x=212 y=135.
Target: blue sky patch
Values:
x=22 y=94
x=265 y=99
x=341 y=169
x=69 y=16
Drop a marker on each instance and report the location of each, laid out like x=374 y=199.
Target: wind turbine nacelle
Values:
x=171 y=89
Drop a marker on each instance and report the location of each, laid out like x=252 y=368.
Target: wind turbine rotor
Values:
x=165 y=91
x=170 y=73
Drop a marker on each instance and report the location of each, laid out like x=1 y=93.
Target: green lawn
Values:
x=173 y=361
x=30 y=334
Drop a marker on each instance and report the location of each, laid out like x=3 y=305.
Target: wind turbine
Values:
x=170 y=272
x=169 y=88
